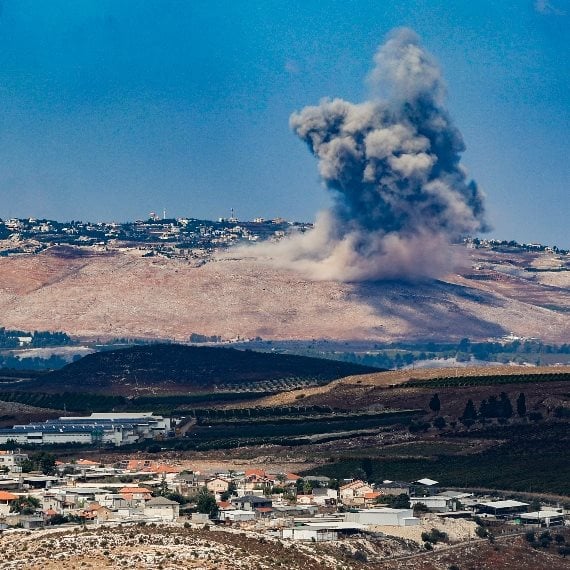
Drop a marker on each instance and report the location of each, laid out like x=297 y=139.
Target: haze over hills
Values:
x=119 y=293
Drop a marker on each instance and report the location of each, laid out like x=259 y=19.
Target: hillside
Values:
x=172 y=368
x=119 y=293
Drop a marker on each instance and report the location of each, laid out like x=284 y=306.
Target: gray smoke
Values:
x=393 y=166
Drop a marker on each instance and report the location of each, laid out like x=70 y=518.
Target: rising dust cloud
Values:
x=393 y=167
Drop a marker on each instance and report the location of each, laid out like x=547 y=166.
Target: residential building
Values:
x=162 y=508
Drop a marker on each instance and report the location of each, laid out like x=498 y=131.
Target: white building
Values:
x=115 y=428
x=383 y=517
x=236 y=515
x=162 y=508
x=12 y=460
x=321 y=531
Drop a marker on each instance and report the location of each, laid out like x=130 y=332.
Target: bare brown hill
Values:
x=120 y=293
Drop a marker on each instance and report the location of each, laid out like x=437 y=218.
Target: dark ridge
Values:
x=173 y=367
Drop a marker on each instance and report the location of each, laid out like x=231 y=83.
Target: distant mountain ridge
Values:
x=171 y=368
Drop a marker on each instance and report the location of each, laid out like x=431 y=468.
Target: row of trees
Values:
x=494 y=407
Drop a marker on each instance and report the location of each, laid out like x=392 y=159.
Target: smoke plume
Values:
x=392 y=164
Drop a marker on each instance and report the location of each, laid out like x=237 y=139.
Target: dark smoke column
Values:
x=393 y=165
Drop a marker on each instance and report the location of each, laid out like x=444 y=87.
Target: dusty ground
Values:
x=119 y=293
x=457 y=530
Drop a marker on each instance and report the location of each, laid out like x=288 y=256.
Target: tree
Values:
x=469 y=414
x=163 y=489
x=506 y=406
x=420 y=508
x=401 y=501
x=206 y=503
x=521 y=405
x=359 y=474
x=481 y=532
x=435 y=404
x=25 y=505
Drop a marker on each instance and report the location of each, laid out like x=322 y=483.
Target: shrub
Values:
x=439 y=423
x=434 y=536
x=481 y=532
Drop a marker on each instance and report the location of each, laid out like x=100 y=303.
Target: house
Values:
x=218 y=485
x=256 y=474
x=136 y=464
x=354 y=492
x=136 y=496
x=283 y=511
x=371 y=498
x=224 y=506
x=502 y=509
x=164 y=469
x=321 y=531
x=543 y=518
x=436 y=503
x=309 y=534
x=291 y=478
x=236 y=515
x=30 y=522
x=427 y=485
x=251 y=502
x=12 y=461
x=190 y=483
x=6 y=500
x=99 y=513
x=162 y=508
x=393 y=488
x=324 y=497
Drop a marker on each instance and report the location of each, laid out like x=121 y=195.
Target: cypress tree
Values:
x=521 y=405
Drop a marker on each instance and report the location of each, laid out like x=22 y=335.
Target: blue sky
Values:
x=112 y=108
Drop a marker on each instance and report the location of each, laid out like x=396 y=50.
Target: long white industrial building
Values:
x=113 y=428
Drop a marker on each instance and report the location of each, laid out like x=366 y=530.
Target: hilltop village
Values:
x=169 y=237
x=182 y=237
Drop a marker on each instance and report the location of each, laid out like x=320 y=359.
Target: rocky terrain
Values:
x=176 y=547
x=119 y=293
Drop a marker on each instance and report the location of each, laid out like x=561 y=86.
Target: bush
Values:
x=439 y=423
x=360 y=556
x=420 y=508
x=481 y=532
x=530 y=536
x=434 y=536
